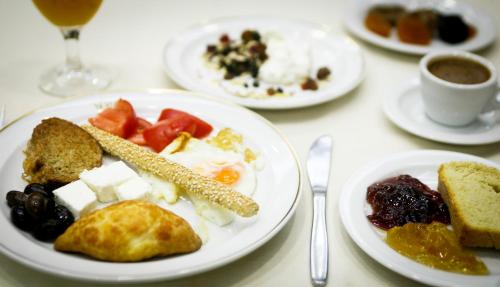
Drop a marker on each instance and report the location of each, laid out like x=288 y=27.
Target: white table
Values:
x=128 y=36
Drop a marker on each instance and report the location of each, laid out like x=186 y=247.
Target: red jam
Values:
x=398 y=200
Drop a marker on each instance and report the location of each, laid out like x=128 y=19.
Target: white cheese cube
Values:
x=77 y=197
x=135 y=188
x=104 y=180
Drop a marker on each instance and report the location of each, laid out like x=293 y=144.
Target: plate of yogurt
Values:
x=264 y=63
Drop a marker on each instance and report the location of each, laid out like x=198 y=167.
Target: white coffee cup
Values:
x=455 y=104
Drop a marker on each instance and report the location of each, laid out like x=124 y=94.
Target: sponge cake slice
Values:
x=472 y=192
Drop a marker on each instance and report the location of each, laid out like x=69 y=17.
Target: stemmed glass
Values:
x=71 y=78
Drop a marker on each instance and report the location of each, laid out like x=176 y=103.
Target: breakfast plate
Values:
x=483 y=23
x=184 y=62
x=277 y=190
x=354 y=209
x=405 y=109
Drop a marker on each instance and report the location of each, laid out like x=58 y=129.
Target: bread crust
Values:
x=468 y=233
x=58 y=152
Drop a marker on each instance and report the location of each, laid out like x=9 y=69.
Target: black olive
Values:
x=63 y=216
x=32 y=187
x=51 y=186
x=39 y=206
x=48 y=230
x=15 y=197
x=452 y=29
x=21 y=218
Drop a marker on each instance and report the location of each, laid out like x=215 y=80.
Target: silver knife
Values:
x=318 y=171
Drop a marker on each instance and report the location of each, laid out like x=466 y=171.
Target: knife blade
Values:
x=318 y=172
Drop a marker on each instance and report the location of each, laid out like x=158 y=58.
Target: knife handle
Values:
x=319 y=241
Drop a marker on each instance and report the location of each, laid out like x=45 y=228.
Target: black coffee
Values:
x=459 y=70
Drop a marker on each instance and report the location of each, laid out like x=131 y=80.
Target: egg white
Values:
x=208 y=160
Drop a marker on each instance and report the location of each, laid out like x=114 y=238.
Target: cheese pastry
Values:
x=130 y=230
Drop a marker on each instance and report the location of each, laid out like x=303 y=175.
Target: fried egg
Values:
x=227 y=167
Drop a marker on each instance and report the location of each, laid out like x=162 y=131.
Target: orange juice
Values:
x=67 y=13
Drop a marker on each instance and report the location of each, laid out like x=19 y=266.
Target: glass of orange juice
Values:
x=72 y=78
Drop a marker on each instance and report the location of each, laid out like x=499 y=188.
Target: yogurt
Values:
x=288 y=62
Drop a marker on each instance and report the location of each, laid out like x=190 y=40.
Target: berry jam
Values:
x=398 y=200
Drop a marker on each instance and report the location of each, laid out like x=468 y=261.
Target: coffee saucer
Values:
x=405 y=109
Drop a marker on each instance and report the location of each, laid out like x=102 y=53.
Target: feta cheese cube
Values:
x=135 y=188
x=104 y=180
x=77 y=197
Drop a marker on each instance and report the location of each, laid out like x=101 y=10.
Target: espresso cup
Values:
x=449 y=98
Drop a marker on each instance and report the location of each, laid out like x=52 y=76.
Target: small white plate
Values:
x=183 y=62
x=354 y=209
x=277 y=191
x=485 y=27
x=405 y=108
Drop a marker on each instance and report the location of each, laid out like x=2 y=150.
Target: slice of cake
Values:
x=472 y=192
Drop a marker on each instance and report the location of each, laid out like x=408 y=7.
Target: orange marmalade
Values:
x=436 y=246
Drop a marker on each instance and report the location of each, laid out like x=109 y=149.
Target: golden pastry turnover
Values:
x=129 y=231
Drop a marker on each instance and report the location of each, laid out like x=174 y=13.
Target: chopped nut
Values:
x=323 y=73
x=309 y=84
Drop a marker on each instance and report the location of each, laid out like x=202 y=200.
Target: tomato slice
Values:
x=125 y=106
x=137 y=137
x=162 y=133
x=202 y=128
x=105 y=124
x=114 y=121
x=142 y=124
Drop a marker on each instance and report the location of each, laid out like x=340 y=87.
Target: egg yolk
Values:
x=227 y=176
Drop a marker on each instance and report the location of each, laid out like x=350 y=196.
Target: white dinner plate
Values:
x=354 y=209
x=485 y=27
x=405 y=108
x=277 y=191
x=183 y=62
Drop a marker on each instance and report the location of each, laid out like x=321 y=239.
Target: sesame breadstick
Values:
x=185 y=178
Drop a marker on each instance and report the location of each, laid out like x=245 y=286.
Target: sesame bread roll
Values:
x=203 y=187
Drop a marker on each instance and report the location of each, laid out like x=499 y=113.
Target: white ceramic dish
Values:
x=354 y=208
x=277 y=192
x=183 y=62
x=405 y=109
x=485 y=27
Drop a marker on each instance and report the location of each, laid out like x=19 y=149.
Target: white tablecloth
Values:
x=128 y=36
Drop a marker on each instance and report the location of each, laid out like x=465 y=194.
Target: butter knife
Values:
x=318 y=171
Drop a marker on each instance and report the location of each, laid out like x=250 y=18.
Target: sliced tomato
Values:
x=115 y=121
x=162 y=133
x=125 y=106
x=105 y=124
x=142 y=124
x=137 y=137
x=202 y=128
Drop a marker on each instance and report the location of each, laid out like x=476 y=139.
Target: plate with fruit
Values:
x=418 y=27
x=154 y=185
x=431 y=216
